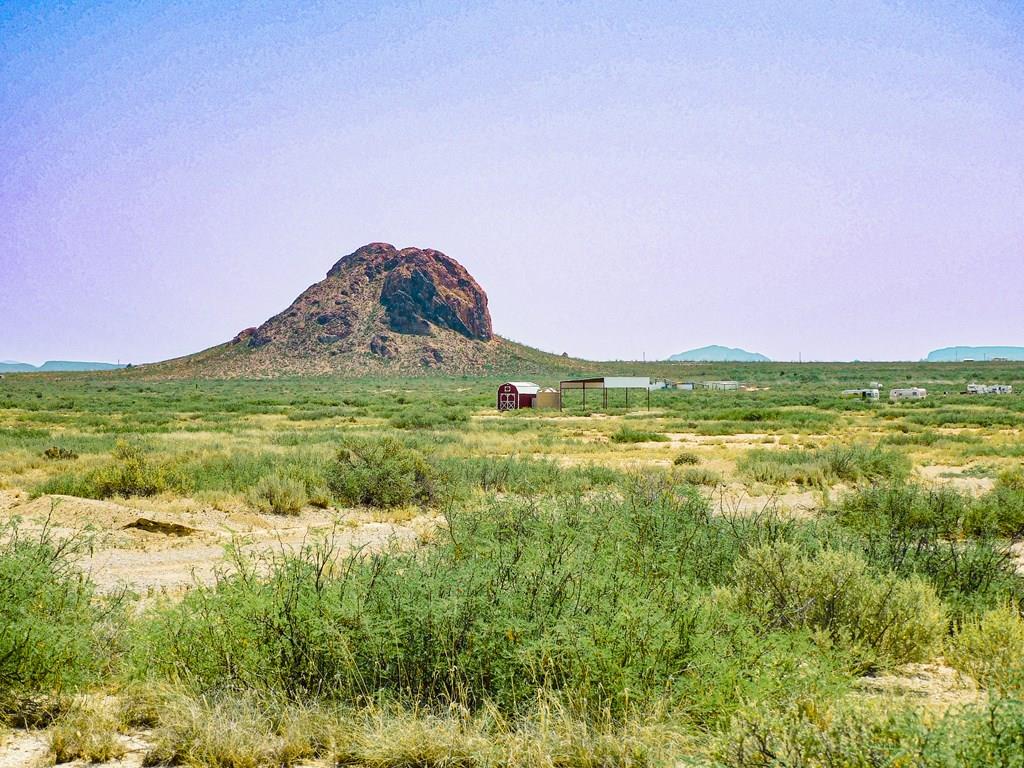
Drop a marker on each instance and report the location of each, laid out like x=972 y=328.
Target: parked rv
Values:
x=863 y=394
x=908 y=393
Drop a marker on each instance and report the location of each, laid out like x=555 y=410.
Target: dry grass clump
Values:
x=240 y=732
x=701 y=476
x=89 y=731
x=243 y=732
x=278 y=495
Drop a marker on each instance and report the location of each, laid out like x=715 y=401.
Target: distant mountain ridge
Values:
x=52 y=366
x=955 y=354
x=719 y=354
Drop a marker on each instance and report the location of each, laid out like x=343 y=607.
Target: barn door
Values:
x=508 y=401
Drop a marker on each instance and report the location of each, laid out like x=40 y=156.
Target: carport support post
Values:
x=648 y=398
x=627 y=397
x=584 y=395
x=606 y=398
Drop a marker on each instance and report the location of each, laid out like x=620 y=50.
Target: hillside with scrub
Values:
x=388 y=572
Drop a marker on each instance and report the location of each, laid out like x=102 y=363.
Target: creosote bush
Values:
x=54 y=629
x=381 y=472
x=812 y=736
x=932 y=532
x=606 y=601
x=823 y=467
x=130 y=472
x=990 y=648
x=880 y=618
x=627 y=434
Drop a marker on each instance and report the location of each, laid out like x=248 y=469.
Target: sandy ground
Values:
x=942 y=474
x=163 y=548
x=934 y=686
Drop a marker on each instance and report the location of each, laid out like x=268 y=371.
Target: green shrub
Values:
x=601 y=600
x=882 y=618
x=630 y=435
x=811 y=736
x=686 y=458
x=990 y=648
x=1000 y=512
x=1012 y=479
x=913 y=530
x=53 y=627
x=898 y=507
x=428 y=418
x=524 y=476
x=381 y=472
x=278 y=495
x=128 y=473
x=823 y=467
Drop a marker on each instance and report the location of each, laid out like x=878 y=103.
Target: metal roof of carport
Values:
x=607 y=382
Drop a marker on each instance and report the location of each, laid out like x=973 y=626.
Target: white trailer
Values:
x=863 y=394
x=989 y=389
x=908 y=393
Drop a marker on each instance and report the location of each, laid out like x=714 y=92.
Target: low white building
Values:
x=721 y=385
x=863 y=394
x=908 y=393
x=689 y=386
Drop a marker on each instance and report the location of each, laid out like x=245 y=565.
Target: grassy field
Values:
x=391 y=573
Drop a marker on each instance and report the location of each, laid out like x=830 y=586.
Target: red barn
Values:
x=516 y=394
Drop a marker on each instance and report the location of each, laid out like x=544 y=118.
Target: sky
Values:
x=816 y=180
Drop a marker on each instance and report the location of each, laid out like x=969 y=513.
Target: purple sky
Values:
x=837 y=179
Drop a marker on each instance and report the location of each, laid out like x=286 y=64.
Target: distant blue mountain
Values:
x=718 y=354
x=954 y=354
x=63 y=366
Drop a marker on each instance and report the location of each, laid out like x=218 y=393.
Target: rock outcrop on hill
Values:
x=378 y=310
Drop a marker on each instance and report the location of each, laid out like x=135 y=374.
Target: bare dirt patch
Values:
x=935 y=686
x=943 y=474
x=175 y=548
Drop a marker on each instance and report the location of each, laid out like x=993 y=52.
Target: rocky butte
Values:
x=378 y=310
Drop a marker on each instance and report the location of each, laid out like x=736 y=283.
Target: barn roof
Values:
x=525 y=387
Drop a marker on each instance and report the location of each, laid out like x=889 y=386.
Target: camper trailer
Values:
x=989 y=389
x=908 y=393
x=863 y=394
